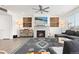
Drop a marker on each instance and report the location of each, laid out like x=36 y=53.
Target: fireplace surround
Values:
x=40 y=31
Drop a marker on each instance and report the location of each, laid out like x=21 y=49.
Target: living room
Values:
x=40 y=26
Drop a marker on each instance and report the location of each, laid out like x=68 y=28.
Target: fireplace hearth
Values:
x=40 y=33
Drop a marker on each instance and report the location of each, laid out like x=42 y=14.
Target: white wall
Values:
x=15 y=26
x=52 y=30
x=16 y=16
x=5 y=26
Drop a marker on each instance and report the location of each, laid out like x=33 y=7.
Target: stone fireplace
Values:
x=40 y=33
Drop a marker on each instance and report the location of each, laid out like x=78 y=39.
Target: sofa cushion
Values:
x=77 y=33
x=71 y=47
x=69 y=32
x=61 y=35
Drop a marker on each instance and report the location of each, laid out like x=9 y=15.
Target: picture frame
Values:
x=41 y=21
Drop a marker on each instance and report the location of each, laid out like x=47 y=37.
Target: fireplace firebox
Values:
x=40 y=33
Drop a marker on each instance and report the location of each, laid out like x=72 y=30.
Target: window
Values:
x=54 y=21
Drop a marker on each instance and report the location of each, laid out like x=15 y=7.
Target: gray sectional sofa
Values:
x=70 y=47
x=69 y=34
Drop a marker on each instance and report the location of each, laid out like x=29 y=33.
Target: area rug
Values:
x=38 y=45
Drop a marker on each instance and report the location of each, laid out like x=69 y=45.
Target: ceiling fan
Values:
x=41 y=9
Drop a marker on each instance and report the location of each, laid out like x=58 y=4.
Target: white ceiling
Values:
x=27 y=9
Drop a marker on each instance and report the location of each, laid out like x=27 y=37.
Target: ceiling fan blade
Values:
x=35 y=9
x=47 y=8
x=40 y=7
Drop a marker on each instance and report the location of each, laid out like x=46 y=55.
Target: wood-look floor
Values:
x=9 y=45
